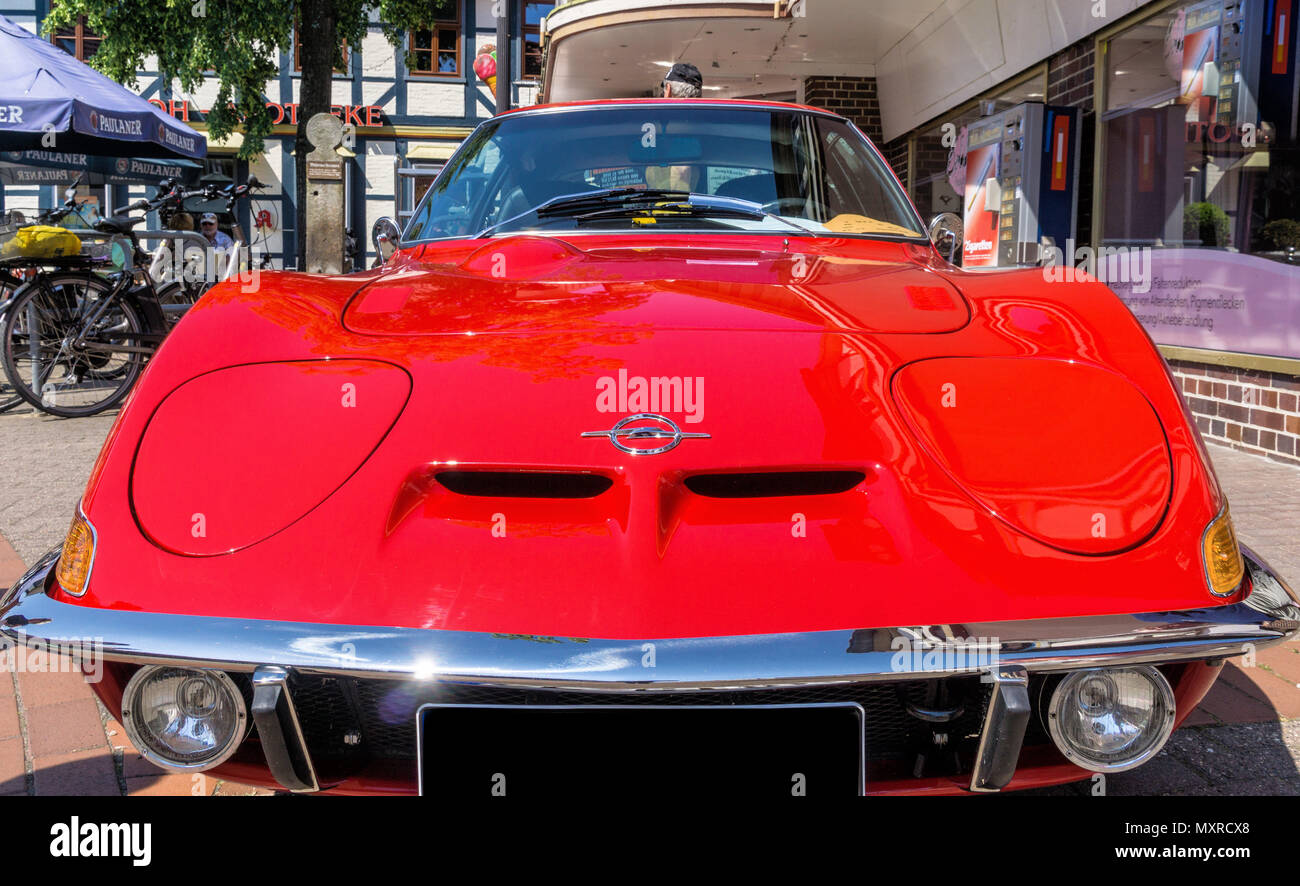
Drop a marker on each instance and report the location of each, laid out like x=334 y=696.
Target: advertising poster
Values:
x=1218 y=300
x=980 y=218
x=1198 y=51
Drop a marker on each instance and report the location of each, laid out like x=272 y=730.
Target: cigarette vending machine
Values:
x=1213 y=50
x=1022 y=184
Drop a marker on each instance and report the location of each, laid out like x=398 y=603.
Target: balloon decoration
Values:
x=485 y=65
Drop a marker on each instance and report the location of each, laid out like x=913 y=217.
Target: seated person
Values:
x=215 y=237
x=672 y=178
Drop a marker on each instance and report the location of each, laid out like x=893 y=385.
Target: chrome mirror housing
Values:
x=945 y=231
x=385 y=236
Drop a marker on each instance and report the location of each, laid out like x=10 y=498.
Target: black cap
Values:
x=685 y=73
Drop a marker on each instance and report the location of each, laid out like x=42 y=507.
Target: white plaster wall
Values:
x=379 y=180
x=434 y=98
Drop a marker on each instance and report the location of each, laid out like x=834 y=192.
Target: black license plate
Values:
x=636 y=750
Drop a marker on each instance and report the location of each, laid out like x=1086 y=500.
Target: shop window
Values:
x=297 y=61
x=1200 y=174
x=222 y=166
x=531 y=14
x=1185 y=98
x=436 y=50
x=78 y=41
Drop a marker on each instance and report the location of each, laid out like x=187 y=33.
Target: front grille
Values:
x=349 y=723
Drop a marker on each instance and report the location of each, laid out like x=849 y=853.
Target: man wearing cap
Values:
x=216 y=239
x=683 y=81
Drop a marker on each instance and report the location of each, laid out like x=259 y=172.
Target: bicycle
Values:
x=196 y=277
x=15 y=271
x=74 y=342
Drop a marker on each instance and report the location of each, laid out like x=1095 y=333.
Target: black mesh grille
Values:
x=349 y=722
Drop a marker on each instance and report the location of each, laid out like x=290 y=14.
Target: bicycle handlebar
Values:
x=170 y=192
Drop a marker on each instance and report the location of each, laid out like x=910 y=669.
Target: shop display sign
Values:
x=1218 y=300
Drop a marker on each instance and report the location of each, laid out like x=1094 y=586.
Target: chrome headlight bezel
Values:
x=1157 y=736
x=145 y=745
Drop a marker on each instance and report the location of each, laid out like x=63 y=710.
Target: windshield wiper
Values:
x=567 y=204
x=617 y=202
x=694 y=206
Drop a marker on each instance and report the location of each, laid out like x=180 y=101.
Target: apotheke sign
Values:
x=357 y=115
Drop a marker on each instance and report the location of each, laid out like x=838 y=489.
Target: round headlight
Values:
x=182 y=718
x=1111 y=719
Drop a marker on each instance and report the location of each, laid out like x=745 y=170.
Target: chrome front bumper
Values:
x=1270 y=615
x=1003 y=653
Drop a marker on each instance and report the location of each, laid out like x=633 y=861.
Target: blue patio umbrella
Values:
x=44 y=93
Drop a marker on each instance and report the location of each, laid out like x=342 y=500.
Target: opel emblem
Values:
x=644 y=426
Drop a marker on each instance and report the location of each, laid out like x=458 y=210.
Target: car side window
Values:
x=464 y=196
x=851 y=186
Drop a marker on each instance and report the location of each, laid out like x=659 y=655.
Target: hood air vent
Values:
x=524 y=484
x=772 y=484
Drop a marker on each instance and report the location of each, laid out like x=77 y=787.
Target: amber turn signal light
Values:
x=1223 y=565
x=78 y=554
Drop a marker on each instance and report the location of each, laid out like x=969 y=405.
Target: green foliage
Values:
x=1280 y=234
x=236 y=41
x=1205 y=222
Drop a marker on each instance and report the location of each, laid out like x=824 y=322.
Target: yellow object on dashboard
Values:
x=41 y=241
x=847 y=223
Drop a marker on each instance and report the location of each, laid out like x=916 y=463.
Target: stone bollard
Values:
x=324 y=211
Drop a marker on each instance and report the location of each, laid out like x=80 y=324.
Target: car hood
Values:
x=831 y=488
x=533 y=284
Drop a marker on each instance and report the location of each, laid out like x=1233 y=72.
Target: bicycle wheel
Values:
x=45 y=364
x=176 y=298
x=8 y=396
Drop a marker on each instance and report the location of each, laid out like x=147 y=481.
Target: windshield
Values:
x=815 y=171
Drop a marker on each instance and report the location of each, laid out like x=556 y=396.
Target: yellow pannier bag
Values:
x=41 y=241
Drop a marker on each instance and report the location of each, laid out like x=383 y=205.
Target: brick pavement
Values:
x=55 y=738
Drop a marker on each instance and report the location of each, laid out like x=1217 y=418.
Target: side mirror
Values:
x=70 y=194
x=945 y=231
x=385 y=236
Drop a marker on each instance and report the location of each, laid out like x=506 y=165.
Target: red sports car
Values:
x=665 y=444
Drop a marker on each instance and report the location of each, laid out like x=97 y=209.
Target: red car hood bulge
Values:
x=815 y=501
x=543 y=284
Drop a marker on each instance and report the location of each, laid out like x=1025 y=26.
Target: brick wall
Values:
x=853 y=97
x=896 y=154
x=1069 y=76
x=857 y=99
x=1248 y=409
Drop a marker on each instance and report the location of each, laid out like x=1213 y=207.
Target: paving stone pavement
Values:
x=46 y=463
x=55 y=738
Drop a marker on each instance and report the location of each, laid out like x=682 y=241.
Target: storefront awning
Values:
x=228 y=145
x=59 y=168
x=431 y=151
